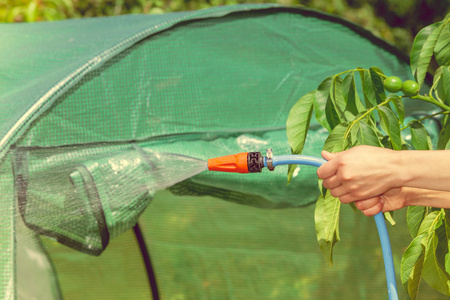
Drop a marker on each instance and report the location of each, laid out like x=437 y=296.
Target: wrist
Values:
x=424 y=197
x=411 y=197
x=402 y=168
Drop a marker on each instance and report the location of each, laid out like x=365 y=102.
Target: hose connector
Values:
x=255 y=162
x=245 y=162
x=269 y=160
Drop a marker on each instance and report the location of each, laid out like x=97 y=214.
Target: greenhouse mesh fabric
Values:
x=104 y=120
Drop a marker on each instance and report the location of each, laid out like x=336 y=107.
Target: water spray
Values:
x=254 y=162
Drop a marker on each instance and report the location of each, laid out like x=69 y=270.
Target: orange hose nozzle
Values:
x=236 y=163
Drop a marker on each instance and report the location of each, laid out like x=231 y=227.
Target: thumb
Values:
x=328 y=156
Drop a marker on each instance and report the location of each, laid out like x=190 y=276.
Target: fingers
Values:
x=329 y=168
x=345 y=198
x=332 y=182
x=328 y=156
x=373 y=210
x=370 y=207
x=366 y=204
x=341 y=193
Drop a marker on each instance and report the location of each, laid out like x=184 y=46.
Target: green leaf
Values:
x=447 y=231
x=377 y=83
x=322 y=189
x=321 y=100
x=414 y=217
x=442 y=246
x=386 y=142
x=443 y=84
x=327 y=207
x=326 y=218
x=385 y=129
x=392 y=125
x=366 y=135
x=350 y=94
x=431 y=271
x=298 y=121
x=399 y=106
x=442 y=48
x=291 y=171
x=378 y=70
x=331 y=114
x=370 y=98
x=433 y=274
x=437 y=74
x=389 y=217
x=429 y=223
x=337 y=97
x=353 y=206
x=336 y=141
x=297 y=126
x=422 y=50
x=335 y=103
x=444 y=134
x=447 y=211
x=353 y=137
x=411 y=267
x=419 y=136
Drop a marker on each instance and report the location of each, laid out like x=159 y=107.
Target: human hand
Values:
x=391 y=200
x=361 y=173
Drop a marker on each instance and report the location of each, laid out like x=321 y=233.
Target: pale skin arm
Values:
x=365 y=173
x=401 y=197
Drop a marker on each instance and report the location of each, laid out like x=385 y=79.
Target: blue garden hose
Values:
x=379 y=218
x=253 y=162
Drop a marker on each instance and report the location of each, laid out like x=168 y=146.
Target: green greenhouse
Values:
x=105 y=121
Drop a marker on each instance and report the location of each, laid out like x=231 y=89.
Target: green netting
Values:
x=98 y=116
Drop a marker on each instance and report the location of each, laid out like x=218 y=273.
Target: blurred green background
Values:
x=396 y=21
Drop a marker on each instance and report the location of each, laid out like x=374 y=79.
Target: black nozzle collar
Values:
x=255 y=162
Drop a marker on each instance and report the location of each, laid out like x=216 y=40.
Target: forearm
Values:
x=364 y=172
x=424 y=197
x=424 y=169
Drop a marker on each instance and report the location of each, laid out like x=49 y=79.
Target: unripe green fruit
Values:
x=392 y=84
x=410 y=88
